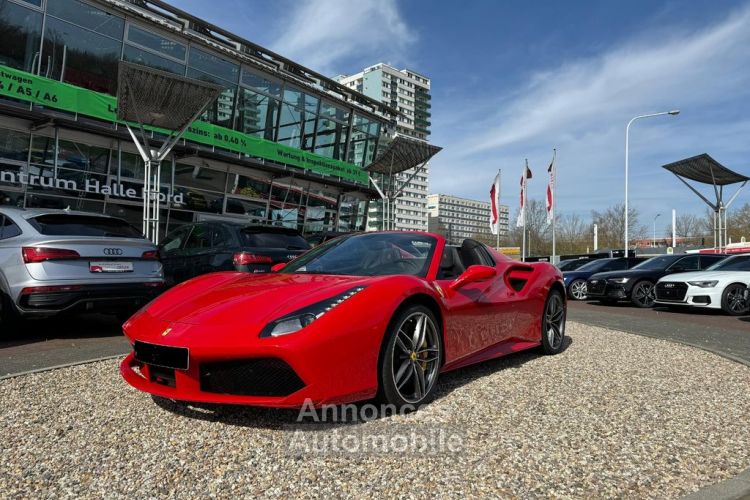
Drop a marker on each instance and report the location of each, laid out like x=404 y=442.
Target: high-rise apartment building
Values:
x=409 y=93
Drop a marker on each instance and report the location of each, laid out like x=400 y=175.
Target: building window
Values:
x=210 y=68
x=20 y=31
x=156 y=51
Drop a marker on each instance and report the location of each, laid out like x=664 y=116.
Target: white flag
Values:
x=495 y=201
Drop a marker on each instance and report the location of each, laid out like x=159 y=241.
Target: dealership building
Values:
x=282 y=144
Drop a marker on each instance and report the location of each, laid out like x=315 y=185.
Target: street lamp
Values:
x=674 y=112
x=653 y=244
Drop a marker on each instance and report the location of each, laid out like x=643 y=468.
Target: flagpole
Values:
x=497 y=203
x=523 y=212
x=554 y=201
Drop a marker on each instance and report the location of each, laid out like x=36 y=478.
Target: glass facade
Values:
x=40 y=170
x=81 y=42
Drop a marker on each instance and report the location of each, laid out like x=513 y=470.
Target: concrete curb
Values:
x=66 y=365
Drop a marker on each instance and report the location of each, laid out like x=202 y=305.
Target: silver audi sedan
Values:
x=54 y=261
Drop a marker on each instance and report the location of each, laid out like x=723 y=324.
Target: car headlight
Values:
x=703 y=284
x=619 y=281
x=301 y=318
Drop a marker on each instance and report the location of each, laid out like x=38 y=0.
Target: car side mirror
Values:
x=278 y=267
x=473 y=274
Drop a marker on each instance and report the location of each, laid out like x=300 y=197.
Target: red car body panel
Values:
x=219 y=317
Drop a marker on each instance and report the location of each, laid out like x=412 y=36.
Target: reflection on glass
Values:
x=20 y=31
x=290 y=125
x=138 y=56
x=214 y=66
x=257 y=114
x=199 y=177
x=199 y=201
x=80 y=57
x=249 y=187
x=14 y=145
x=88 y=16
x=260 y=83
x=156 y=43
x=221 y=111
x=331 y=139
x=255 y=211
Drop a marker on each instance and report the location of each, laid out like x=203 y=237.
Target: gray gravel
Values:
x=613 y=415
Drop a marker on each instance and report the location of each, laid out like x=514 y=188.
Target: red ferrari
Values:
x=370 y=314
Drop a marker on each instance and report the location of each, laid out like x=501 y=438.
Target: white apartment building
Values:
x=409 y=92
x=459 y=218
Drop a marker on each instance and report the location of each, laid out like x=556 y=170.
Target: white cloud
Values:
x=581 y=107
x=322 y=34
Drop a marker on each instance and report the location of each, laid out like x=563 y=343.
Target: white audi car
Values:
x=721 y=286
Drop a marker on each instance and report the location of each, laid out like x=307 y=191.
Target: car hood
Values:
x=743 y=276
x=246 y=299
x=626 y=273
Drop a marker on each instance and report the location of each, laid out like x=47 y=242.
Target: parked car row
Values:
x=54 y=261
x=713 y=281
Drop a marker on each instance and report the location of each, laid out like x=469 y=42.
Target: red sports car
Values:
x=369 y=314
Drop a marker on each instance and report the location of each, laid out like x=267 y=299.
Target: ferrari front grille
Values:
x=269 y=377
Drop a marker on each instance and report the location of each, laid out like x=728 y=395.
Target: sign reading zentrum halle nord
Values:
x=53 y=94
x=88 y=185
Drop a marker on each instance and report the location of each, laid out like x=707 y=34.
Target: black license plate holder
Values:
x=160 y=355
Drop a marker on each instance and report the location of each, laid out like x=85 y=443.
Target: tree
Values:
x=611 y=225
x=687 y=226
x=572 y=234
x=538 y=232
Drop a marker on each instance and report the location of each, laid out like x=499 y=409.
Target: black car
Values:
x=572 y=264
x=320 y=238
x=575 y=281
x=206 y=247
x=637 y=284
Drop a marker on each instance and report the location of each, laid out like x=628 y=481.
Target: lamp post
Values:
x=653 y=243
x=674 y=112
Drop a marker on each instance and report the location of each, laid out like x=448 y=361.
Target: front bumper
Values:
x=49 y=299
x=321 y=364
x=688 y=295
x=602 y=289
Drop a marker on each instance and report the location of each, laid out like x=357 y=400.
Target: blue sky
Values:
x=512 y=80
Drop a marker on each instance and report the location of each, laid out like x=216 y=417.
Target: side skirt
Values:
x=494 y=351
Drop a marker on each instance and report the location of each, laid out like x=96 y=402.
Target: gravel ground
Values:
x=613 y=415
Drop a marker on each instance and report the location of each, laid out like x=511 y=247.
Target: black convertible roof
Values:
x=706 y=170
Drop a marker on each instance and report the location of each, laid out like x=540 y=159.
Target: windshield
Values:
x=375 y=254
x=736 y=263
x=83 y=225
x=273 y=239
x=656 y=263
x=570 y=265
x=595 y=265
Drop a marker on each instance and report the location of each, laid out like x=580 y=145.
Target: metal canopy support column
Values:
x=154 y=98
x=706 y=170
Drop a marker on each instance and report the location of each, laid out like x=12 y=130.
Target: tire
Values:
x=733 y=300
x=553 y=323
x=577 y=290
x=642 y=294
x=409 y=372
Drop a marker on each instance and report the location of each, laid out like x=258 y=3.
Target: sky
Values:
x=512 y=79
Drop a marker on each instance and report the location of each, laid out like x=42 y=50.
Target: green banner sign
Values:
x=51 y=93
